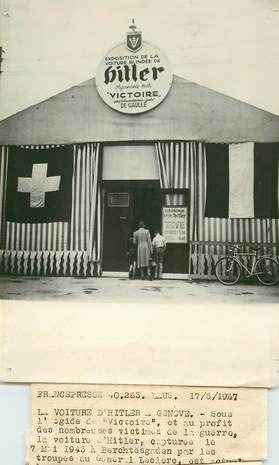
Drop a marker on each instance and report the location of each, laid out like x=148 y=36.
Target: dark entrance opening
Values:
x=126 y=204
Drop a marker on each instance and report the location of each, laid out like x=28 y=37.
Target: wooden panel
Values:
x=176 y=258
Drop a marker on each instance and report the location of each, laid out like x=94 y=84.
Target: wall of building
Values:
x=213 y=236
x=209 y=236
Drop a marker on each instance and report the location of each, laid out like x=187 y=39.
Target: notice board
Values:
x=174 y=224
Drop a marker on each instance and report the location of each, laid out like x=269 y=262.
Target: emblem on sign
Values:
x=134 y=39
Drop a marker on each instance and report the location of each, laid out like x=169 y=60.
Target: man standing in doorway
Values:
x=159 y=247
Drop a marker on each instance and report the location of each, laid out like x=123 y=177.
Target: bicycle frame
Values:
x=255 y=256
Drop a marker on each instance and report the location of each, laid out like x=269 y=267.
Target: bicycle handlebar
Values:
x=235 y=247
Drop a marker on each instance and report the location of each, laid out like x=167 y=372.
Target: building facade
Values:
x=77 y=176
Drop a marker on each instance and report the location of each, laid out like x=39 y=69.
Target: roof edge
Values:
x=175 y=77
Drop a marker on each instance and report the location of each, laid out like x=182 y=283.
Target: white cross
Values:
x=38 y=185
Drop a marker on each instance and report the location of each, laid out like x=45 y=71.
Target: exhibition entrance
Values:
x=132 y=192
x=125 y=205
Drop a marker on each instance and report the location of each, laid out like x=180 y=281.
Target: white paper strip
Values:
x=217 y=345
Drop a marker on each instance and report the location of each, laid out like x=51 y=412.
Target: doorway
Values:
x=125 y=205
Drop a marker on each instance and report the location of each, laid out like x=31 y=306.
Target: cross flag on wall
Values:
x=39 y=185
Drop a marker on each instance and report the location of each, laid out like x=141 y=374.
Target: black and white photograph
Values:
x=140 y=146
x=139 y=231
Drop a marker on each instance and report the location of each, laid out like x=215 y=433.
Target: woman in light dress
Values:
x=144 y=249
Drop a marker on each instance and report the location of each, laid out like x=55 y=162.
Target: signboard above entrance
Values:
x=134 y=76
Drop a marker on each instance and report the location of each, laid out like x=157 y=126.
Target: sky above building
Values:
x=231 y=46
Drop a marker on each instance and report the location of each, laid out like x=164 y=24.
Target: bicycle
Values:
x=228 y=269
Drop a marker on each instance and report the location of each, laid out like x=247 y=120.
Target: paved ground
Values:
x=122 y=289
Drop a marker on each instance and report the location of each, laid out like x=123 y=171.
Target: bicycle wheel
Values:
x=227 y=271
x=267 y=270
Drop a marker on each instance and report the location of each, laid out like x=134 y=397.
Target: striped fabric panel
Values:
x=36 y=236
x=80 y=199
x=96 y=238
x=239 y=230
x=197 y=190
x=200 y=191
x=40 y=236
x=3 y=182
x=180 y=166
x=94 y=248
x=192 y=185
x=86 y=203
x=174 y=168
x=193 y=194
x=174 y=163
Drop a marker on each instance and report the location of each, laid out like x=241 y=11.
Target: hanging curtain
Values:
x=197 y=191
x=85 y=231
x=180 y=165
x=3 y=183
x=174 y=168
